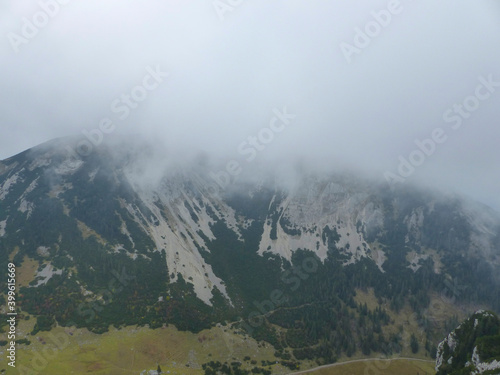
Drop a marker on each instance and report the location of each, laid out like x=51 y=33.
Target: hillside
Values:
x=99 y=242
x=472 y=348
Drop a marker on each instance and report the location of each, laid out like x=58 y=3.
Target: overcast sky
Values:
x=359 y=100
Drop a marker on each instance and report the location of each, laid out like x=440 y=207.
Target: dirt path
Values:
x=358 y=360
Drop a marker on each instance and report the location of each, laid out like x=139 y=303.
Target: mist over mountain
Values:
x=281 y=256
x=214 y=83
x=236 y=187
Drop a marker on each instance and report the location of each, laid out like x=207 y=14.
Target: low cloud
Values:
x=227 y=76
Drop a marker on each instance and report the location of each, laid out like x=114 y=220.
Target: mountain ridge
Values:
x=201 y=256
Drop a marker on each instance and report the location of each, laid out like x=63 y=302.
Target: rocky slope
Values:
x=472 y=348
x=188 y=245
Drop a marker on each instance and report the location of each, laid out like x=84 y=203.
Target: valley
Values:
x=133 y=349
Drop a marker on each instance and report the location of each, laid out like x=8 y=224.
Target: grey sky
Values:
x=227 y=75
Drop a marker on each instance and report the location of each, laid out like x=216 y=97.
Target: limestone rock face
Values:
x=118 y=196
x=474 y=345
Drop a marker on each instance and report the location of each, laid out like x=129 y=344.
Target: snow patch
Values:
x=379 y=257
x=173 y=229
x=414 y=259
x=58 y=189
x=32 y=186
x=3 y=226
x=124 y=230
x=93 y=174
x=68 y=166
x=39 y=162
x=414 y=223
x=46 y=274
x=8 y=183
x=43 y=251
x=311 y=208
x=26 y=206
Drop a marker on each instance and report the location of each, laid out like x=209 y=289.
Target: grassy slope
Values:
x=440 y=309
x=132 y=350
x=379 y=367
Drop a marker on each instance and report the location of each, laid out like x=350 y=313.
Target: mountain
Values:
x=472 y=348
x=127 y=235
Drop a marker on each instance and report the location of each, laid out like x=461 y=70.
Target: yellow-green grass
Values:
x=404 y=322
x=26 y=271
x=88 y=232
x=377 y=367
x=132 y=350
